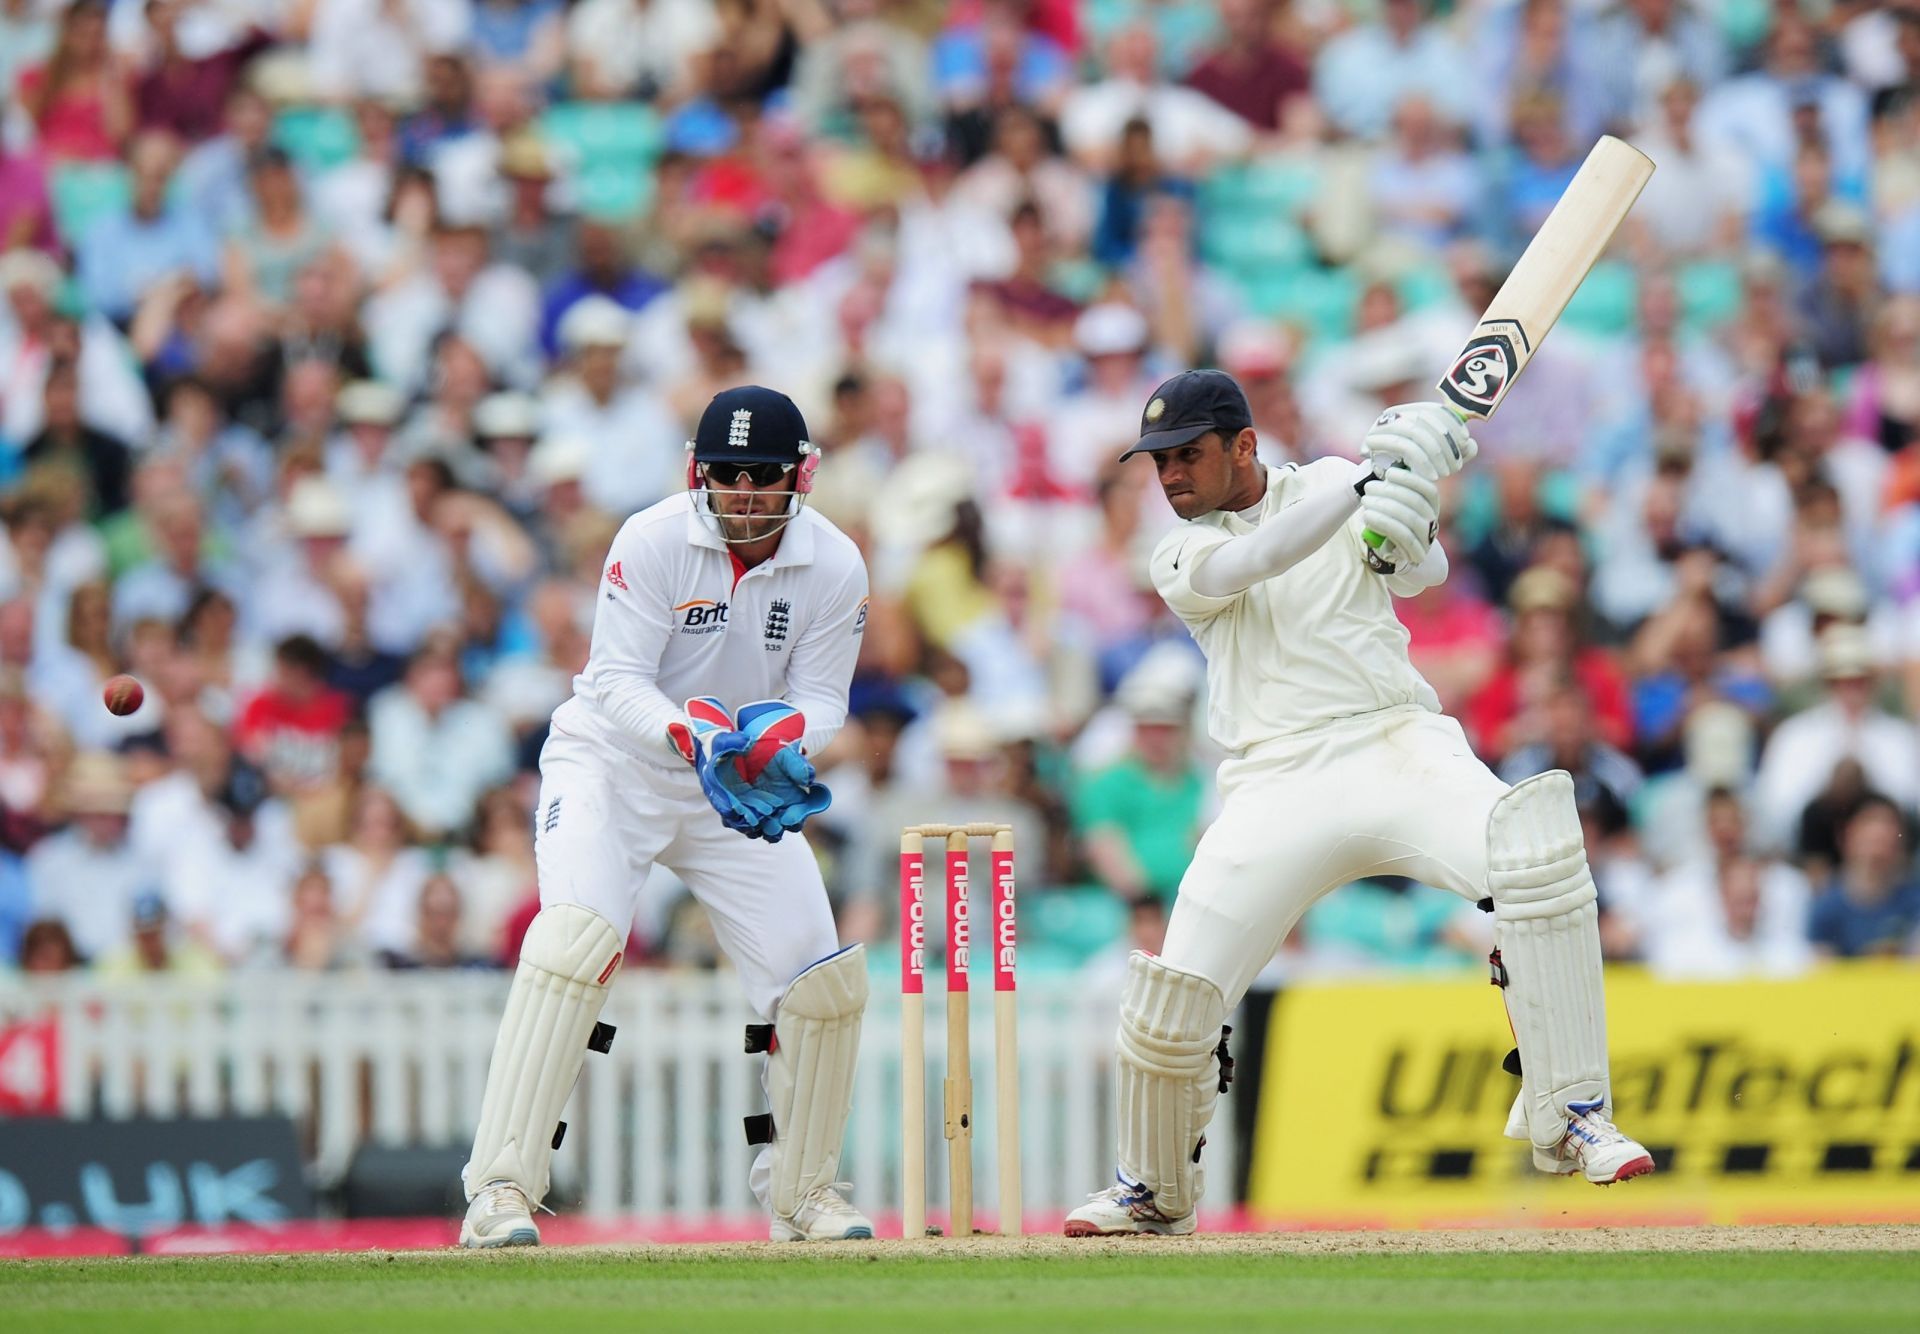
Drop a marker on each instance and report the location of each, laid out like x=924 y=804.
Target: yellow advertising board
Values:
x=1383 y=1105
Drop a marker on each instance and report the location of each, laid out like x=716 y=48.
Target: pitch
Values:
x=1645 y=1279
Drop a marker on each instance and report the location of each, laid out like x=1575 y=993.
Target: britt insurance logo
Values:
x=701 y=616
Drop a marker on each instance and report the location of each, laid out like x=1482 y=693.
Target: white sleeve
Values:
x=1282 y=541
x=631 y=626
x=821 y=665
x=1431 y=572
x=1174 y=561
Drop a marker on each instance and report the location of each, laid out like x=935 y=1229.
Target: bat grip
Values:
x=1375 y=540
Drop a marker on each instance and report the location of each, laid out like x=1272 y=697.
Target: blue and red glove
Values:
x=751 y=769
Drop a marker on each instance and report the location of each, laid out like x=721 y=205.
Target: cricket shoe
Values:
x=1594 y=1145
x=500 y=1215
x=824 y=1216
x=1125 y=1210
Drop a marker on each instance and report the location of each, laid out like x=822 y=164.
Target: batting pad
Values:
x=566 y=960
x=1169 y=1077
x=816 y=1046
x=1547 y=937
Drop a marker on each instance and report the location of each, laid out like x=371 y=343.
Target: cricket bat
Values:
x=1551 y=269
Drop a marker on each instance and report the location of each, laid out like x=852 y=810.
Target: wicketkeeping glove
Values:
x=708 y=741
x=751 y=768
x=778 y=768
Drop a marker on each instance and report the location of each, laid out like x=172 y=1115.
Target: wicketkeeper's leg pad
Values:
x=812 y=1054
x=568 y=957
x=1169 y=1077
x=1546 y=958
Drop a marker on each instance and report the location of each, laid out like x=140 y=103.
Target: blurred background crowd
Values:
x=337 y=337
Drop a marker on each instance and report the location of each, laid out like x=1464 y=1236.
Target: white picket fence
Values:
x=654 y=1128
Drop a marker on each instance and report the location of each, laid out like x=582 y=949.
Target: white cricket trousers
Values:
x=1394 y=793
x=606 y=818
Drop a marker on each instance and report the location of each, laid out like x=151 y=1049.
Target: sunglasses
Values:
x=760 y=474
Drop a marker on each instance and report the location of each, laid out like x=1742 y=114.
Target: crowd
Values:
x=337 y=337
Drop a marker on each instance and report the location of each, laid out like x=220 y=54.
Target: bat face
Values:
x=1545 y=278
x=1479 y=376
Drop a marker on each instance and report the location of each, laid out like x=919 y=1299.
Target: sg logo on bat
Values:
x=1481 y=374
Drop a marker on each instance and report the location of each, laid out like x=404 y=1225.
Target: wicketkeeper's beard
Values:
x=744 y=517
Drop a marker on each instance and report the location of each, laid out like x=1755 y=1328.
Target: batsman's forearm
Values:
x=1280 y=543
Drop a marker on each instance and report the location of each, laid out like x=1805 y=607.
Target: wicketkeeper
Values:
x=1340 y=765
x=724 y=637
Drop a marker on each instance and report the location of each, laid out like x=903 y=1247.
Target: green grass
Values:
x=1112 y=1289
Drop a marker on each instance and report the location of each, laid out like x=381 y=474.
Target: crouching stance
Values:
x=732 y=592
x=1340 y=765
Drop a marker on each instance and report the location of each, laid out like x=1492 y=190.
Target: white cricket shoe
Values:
x=1594 y=1145
x=500 y=1215
x=1122 y=1211
x=824 y=1216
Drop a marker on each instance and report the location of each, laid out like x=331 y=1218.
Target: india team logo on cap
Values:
x=1156 y=409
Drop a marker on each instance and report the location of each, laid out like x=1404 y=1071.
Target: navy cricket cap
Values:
x=751 y=424
x=1187 y=407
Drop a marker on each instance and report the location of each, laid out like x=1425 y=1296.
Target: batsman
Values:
x=725 y=630
x=1340 y=765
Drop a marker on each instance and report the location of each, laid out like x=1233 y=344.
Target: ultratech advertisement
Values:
x=1762 y=1102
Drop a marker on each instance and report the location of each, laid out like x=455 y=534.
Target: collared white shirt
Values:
x=677 y=618
x=1317 y=642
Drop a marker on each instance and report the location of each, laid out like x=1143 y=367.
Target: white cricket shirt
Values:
x=1315 y=643
x=678 y=617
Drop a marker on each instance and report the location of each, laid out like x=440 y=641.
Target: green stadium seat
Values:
x=1268 y=188
x=1605 y=302
x=1074 y=923
x=1246 y=244
x=316 y=138
x=1709 y=293
x=1424 y=286
x=1320 y=301
x=84 y=192
x=600 y=134
x=614 y=192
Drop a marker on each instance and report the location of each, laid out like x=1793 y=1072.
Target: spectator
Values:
x=81 y=100
x=46 y=948
x=635 y=447
x=437 y=934
x=184 y=94
x=88 y=876
x=1606 y=782
x=100 y=464
x=16 y=908
x=1546 y=646
x=318 y=940
x=156 y=947
x=603 y=268
x=1362 y=73
x=280 y=237
x=653 y=50
x=377 y=47
x=1251 y=72
x=291 y=730
x=26 y=210
x=1872 y=904
x=1139 y=819
x=1801 y=754
x=436 y=751
x=1189 y=130
x=233 y=893
x=1137 y=179
x=1740 y=917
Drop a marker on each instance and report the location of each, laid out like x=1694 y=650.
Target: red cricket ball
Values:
x=123 y=695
